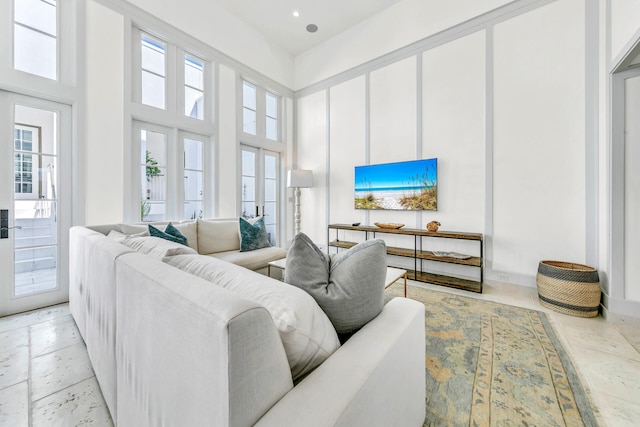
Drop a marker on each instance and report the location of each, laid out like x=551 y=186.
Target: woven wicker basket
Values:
x=569 y=288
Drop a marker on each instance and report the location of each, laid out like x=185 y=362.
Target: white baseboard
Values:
x=510 y=278
x=615 y=308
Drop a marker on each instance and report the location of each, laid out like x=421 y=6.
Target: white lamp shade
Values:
x=299 y=178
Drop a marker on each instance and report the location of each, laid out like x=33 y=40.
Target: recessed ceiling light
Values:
x=312 y=28
x=296 y=13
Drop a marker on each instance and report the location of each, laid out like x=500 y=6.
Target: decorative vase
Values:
x=433 y=226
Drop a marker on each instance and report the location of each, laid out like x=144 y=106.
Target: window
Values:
x=153 y=72
x=271 y=116
x=23 y=165
x=260 y=112
x=35 y=41
x=170 y=141
x=193 y=87
x=248 y=108
x=159 y=200
x=153 y=168
x=193 y=178
x=260 y=187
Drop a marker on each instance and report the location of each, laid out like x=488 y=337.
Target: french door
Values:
x=35 y=208
x=259 y=187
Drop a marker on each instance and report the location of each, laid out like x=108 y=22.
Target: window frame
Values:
x=260 y=136
x=173 y=120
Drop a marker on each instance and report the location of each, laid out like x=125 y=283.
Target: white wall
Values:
x=539 y=144
x=104 y=148
x=312 y=154
x=347 y=146
x=503 y=110
x=625 y=23
x=453 y=130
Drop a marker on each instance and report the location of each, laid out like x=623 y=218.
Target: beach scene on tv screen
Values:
x=411 y=185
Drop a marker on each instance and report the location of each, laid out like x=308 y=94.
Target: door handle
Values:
x=262 y=210
x=4 y=224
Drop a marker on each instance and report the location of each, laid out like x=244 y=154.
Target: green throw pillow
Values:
x=253 y=236
x=348 y=286
x=170 y=233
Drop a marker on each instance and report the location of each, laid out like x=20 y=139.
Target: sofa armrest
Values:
x=190 y=352
x=376 y=378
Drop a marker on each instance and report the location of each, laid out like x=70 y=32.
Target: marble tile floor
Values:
x=46 y=378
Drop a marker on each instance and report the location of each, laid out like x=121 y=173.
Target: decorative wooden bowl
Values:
x=391 y=225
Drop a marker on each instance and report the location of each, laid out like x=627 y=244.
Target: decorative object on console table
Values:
x=569 y=288
x=299 y=178
x=433 y=226
x=420 y=255
x=391 y=225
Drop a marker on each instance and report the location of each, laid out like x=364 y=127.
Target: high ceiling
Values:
x=275 y=21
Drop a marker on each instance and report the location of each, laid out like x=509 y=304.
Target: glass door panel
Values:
x=153 y=175
x=193 y=178
x=34 y=207
x=270 y=196
x=35 y=193
x=249 y=171
x=260 y=169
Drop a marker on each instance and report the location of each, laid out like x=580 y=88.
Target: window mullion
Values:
x=175 y=172
x=179 y=82
x=172 y=80
x=261 y=109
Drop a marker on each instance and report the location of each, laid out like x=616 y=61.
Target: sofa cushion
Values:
x=153 y=246
x=170 y=233
x=349 y=286
x=253 y=236
x=217 y=236
x=306 y=332
x=253 y=260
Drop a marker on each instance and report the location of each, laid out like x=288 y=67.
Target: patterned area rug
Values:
x=491 y=364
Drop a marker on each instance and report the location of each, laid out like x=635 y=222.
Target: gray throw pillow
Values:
x=349 y=286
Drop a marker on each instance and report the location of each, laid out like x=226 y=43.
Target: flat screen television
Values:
x=411 y=185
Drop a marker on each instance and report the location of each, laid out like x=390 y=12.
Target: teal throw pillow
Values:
x=253 y=236
x=170 y=233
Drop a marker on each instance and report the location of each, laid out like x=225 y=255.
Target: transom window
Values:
x=193 y=87
x=271 y=116
x=35 y=37
x=260 y=112
x=249 y=108
x=153 y=72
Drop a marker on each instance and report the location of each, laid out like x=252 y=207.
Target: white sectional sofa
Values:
x=238 y=349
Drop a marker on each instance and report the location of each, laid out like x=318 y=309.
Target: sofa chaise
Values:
x=178 y=338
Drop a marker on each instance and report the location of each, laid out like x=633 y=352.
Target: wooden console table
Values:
x=418 y=254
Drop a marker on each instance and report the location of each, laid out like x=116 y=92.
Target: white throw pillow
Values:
x=306 y=332
x=188 y=228
x=155 y=246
